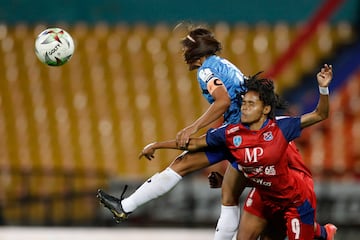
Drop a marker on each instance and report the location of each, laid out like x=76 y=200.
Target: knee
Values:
x=180 y=165
x=249 y=234
x=244 y=236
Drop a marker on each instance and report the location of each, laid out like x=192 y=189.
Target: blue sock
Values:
x=323 y=234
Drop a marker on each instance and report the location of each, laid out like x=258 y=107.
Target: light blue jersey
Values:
x=231 y=76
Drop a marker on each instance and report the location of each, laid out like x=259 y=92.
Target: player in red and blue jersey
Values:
x=257 y=148
x=272 y=225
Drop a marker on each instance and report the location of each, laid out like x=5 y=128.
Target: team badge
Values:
x=206 y=74
x=237 y=140
x=268 y=136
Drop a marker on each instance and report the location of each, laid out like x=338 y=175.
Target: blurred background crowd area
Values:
x=67 y=131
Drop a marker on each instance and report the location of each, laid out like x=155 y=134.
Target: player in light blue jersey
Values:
x=221 y=84
x=215 y=68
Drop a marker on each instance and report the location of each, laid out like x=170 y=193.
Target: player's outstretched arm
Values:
x=149 y=150
x=321 y=112
x=193 y=145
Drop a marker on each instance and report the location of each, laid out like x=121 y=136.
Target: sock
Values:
x=320 y=232
x=154 y=187
x=228 y=223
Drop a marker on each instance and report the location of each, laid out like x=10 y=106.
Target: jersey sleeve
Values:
x=206 y=75
x=216 y=137
x=290 y=127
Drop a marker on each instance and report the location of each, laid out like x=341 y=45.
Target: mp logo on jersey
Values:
x=252 y=154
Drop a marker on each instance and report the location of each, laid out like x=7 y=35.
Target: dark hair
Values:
x=198 y=43
x=265 y=88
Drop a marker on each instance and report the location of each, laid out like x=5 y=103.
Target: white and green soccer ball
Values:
x=54 y=46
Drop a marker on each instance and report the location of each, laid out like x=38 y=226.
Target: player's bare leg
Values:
x=251 y=226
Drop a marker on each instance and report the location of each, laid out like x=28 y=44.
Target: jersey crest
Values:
x=268 y=136
x=237 y=141
x=206 y=74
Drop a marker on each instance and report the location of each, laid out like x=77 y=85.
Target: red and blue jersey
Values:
x=295 y=160
x=261 y=156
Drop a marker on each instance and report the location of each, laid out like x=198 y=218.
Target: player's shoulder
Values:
x=281 y=117
x=281 y=120
x=214 y=62
x=286 y=120
x=209 y=69
x=234 y=128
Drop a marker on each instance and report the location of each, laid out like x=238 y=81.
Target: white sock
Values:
x=228 y=223
x=154 y=187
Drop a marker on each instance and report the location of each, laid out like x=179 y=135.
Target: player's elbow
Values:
x=225 y=103
x=325 y=116
x=228 y=102
x=322 y=115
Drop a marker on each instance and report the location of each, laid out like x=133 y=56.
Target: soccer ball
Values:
x=54 y=46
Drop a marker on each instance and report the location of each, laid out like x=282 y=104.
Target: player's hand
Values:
x=325 y=75
x=148 y=152
x=183 y=136
x=215 y=180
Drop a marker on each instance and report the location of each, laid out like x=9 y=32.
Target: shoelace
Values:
x=123 y=192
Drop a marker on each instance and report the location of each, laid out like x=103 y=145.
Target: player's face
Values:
x=253 y=111
x=194 y=65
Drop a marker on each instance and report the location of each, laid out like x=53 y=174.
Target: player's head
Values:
x=260 y=100
x=200 y=42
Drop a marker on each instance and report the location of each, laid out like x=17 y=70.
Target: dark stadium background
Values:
x=67 y=131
